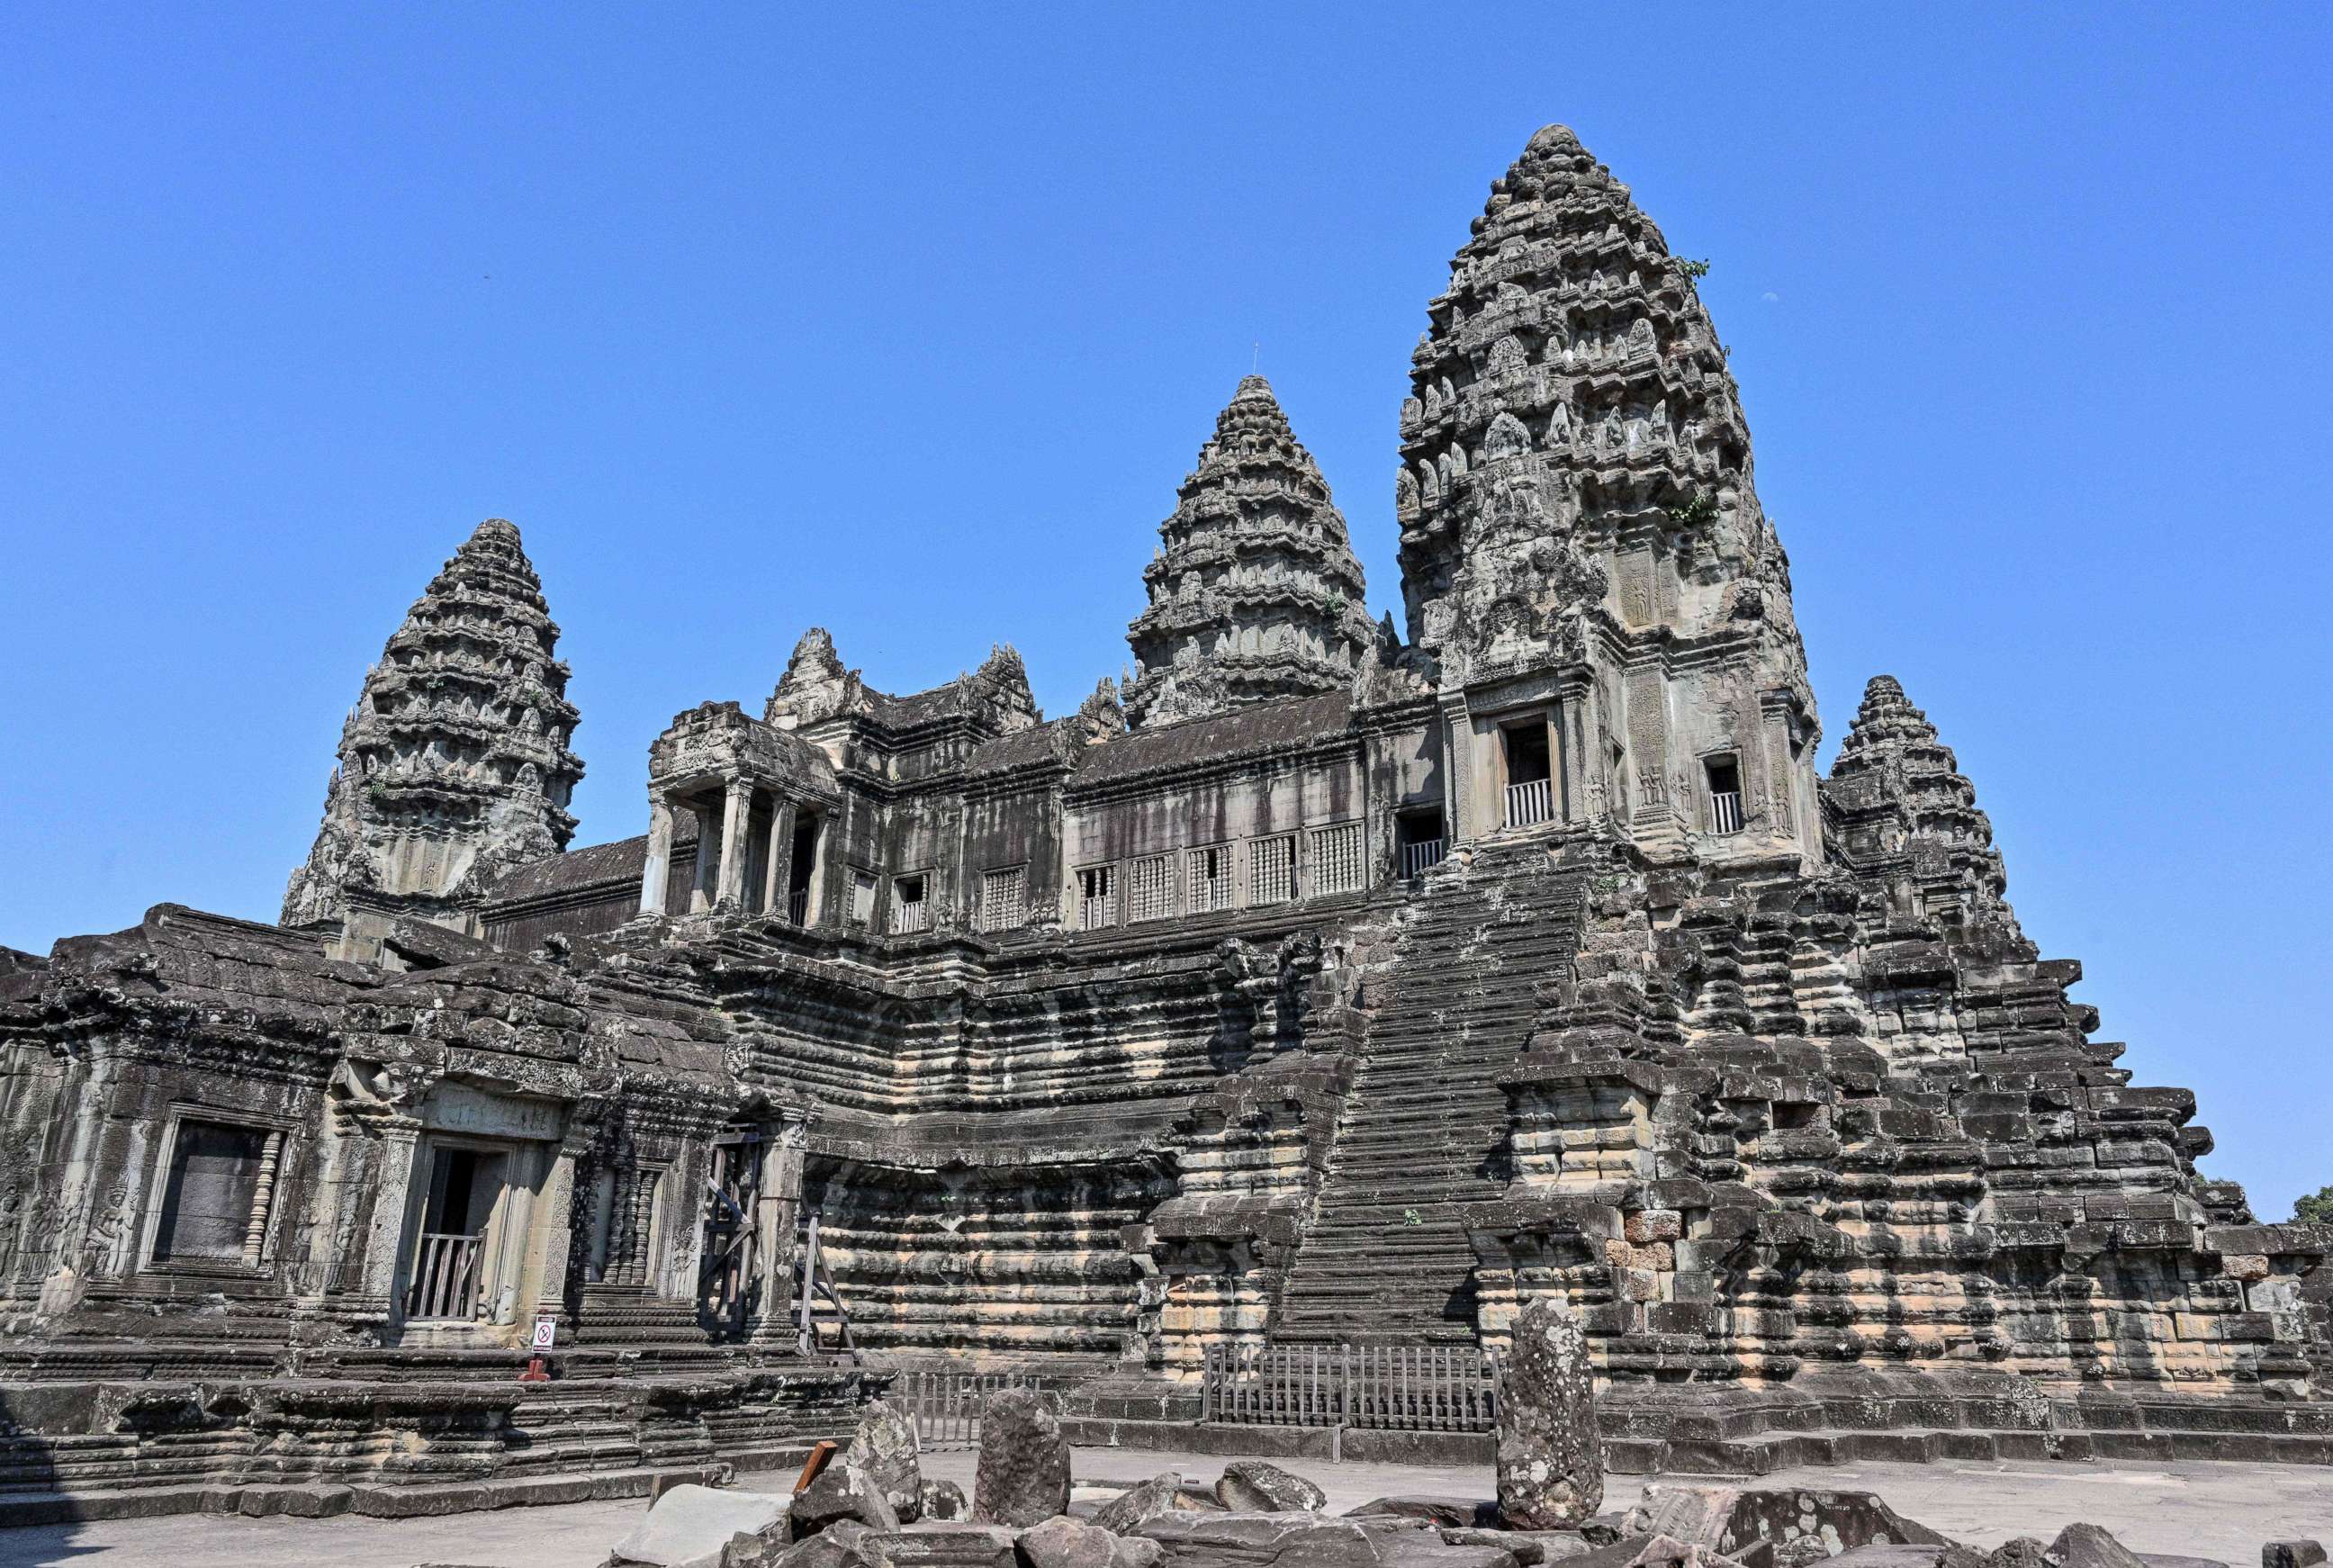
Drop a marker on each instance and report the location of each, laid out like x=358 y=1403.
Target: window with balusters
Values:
x=1336 y=863
x=1271 y=869
x=1151 y=889
x=1004 y=898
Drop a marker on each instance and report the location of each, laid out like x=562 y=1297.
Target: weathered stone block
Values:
x=1551 y=1465
x=1024 y=1473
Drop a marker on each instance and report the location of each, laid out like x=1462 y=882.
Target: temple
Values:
x=1332 y=985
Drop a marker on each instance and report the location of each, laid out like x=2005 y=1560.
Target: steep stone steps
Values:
x=1385 y=1257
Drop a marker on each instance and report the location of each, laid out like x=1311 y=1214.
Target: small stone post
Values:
x=1550 y=1453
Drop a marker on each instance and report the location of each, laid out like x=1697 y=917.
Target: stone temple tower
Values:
x=1254 y=592
x=453 y=766
x=1581 y=540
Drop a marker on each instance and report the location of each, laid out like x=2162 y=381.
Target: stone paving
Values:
x=2223 y=1511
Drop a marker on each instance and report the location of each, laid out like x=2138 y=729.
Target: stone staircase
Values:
x=1385 y=1257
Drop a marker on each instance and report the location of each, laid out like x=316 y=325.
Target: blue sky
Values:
x=906 y=322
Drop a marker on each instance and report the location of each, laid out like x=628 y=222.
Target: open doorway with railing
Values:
x=802 y=869
x=1419 y=840
x=1723 y=774
x=1529 y=768
x=452 y=1278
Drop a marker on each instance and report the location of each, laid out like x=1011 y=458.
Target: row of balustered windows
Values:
x=1279 y=868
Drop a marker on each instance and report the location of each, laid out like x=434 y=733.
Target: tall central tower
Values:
x=1581 y=544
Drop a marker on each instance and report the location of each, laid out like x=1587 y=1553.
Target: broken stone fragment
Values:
x=2089 y=1546
x=691 y=1522
x=845 y=1544
x=1550 y=1447
x=941 y=1500
x=1773 y=1527
x=1023 y=1474
x=1254 y=1486
x=1480 y=1513
x=1065 y=1543
x=1261 y=1540
x=2292 y=1554
x=843 y=1491
x=885 y=1447
x=1531 y=1548
x=930 y=1545
x=1159 y=1495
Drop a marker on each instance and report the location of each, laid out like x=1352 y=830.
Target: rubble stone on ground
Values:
x=2303 y=1554
x=689 y=1523
x=843 y=1491
x=1065 y=1543
x=938 y=1499
x=1257 y=1487
x=1162 y=1493
x=884 y=1446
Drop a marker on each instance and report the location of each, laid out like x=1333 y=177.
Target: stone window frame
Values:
x=988 y=922
x=1109 y=896
x=929 y=876
x=1256 y=862
x=158 y=1187
x=1317 y=860
x=602 y=1239
x=1228 y=880
x=1729 y=754
x=1165 y=892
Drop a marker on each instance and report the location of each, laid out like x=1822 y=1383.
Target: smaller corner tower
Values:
x=453 y=766
x=1905 y=822
x=1255 y=593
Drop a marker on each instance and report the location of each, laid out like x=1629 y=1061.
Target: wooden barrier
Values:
x=945 y=1406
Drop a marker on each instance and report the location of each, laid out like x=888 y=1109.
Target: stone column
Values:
x=708 y=858
x=1572 y=733
x=1457 y=771
x=376 y=1187
x=736 y=833
x=778 y=878
x=776 y=1219
x=658 y=872
x=551 y=1234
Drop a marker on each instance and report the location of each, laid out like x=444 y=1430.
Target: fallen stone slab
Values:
x=928 y=1545
x=1023 y=1474
x=1065 y=1543
x=1775 y=1527
x=2089 y=1546
x=1531 y=1548
x=1262 y=1541
x=1652 y=1552
x=843 y=1491
x=691 y=1522
x=1146 y=1500
x=1476 y=1512
x=845 y=1544
x=2292 y=1554
x=884 y=1446
x=1257 y=1487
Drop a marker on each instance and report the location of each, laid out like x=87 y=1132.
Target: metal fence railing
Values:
x=946 y=1406
x=1401 y=1387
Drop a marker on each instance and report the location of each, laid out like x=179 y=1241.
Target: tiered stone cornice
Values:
x=1255 y=594
x=453 y=766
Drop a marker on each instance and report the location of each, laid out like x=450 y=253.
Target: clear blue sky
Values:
x=907 y=323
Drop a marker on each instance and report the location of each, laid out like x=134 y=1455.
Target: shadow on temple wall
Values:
x=28 y=1457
